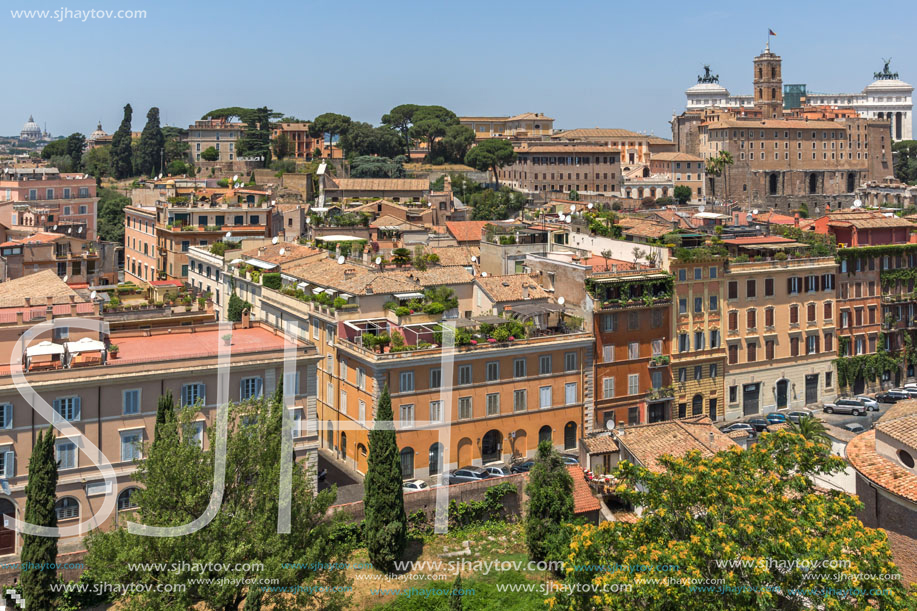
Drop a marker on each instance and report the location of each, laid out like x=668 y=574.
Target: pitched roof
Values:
x=583 y=499
x=598 y=132
x=668 y=156
x=37 y=287
x=534 y=147
x=648 y=442
x=466 y=231
x=865 y=219
x=775 y=218
x=600 y=264
x=762 y=239
x=600 y=444
x=900 y=423
x=388 y=220
x=648 y=229
x=861 y=453
x=378 y=184
x=511 y=287
x=363 y=280
x=456 y=255
x=373 y=206
x=270 y=253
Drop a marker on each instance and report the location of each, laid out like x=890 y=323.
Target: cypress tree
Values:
x=385 y=523
x=455 y=597
x=165 y=412
x=151 y=145
x=120 y=154
x=550 y=505
x=39 y=510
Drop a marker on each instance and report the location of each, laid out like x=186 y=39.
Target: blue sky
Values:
x=585 y=63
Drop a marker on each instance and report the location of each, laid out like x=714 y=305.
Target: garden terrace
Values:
x=511 y=233
x=630 y=290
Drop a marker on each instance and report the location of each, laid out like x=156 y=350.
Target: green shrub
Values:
x=272 y=280
x=402 y=311
x=434 y=308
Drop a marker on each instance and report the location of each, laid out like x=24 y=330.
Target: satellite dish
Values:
x=589 y=205
x=93 y=296
x=562 y=300
x=274 y=240
x=474 y=259
x=378 y=260
x=483 y=274
x=79 y=229
x=69 y=229
x=569 y=219
x=66 y=278
x=755 y=211
x=701 y=208
x=572 y=207
x=341 y=260
x=610 y=424
x=235 y=178
x=429 y=204
x=283 y=251
x=857 y=203
x=55 y=228
x=273 y=202
x=228 y=234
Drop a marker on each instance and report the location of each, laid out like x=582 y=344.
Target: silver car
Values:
x=845 y=406
x=497 y=469
x=870 y=403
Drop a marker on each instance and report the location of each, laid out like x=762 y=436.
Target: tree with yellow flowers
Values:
x=744 y=529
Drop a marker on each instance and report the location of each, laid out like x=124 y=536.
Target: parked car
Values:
x=870 y=403
x=738 y=426
x=569 y=459
x=845 y=406
x=524 y=467
x=466 y=474
x=910 y=392
x=410 y=485
x=497 y=469
x=799 y=415
x=759 y=424
x=775 y=417
x=854 y=427
x=892 y=396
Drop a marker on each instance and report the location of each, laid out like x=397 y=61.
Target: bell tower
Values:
x=768 y=84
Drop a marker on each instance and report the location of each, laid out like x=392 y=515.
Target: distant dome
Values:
x=707 y=89
x=887 y=85
x=99 y=133
x=30 y=131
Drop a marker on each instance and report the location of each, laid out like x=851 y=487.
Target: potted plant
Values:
x=227 y=339
x=113 y=350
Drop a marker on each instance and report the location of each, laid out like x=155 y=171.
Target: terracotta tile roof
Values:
x=510 y=287
x=291 y=252
x=583 y=499
x=899 y=410
x=774 y=218
x=763 y=239
x=378 y=184
x=42 y=237
x=456 y=255
x=532 y=147
x=861 y=453
x=674 y=157
x=865 y=219
x=466 y=231
x=38 y=287
x=900 y=423
x=362 y=280
x=600 y=444
x=600 y=264
x=598 y=132
x=648 y=229
x=647 y=442
x=774 y=123
x=392 y=221
x=373 y=206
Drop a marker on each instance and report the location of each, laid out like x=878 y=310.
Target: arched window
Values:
x=436 y=458
x=67 y=508
x=544 y=434
x=773 y=72
x=407 y=463
x=491 y=446
x=813 y=183
x=697 y=405
x=570 y=436
x=772 y=184
x=126 y=499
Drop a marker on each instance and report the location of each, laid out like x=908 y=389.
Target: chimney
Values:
x=72 y=298
x=246 y=319
x=28 y=302
x=209 y=305
x=525 y=291
x=72 y=309
x=711 y=437
x=796 y=220
x=19 y=314
x=50 y=300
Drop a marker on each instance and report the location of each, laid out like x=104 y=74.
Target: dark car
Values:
x=775 y=417
x=467 y=474
x=569 y=459
x=524 y=467
x=759 y=424
x=892 y=396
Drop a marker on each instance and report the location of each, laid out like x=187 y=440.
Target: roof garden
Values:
x=630 y=290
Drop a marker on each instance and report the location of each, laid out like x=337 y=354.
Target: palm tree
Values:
x=716 y=166
x=812 y=429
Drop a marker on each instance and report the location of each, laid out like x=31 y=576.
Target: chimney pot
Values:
x=28 y=302
x=19 y=317
x=50 y=300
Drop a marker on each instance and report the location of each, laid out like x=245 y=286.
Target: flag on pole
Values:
x=771 y=32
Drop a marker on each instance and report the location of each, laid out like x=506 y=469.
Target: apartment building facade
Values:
x=780 y=334
x=632 y=324
x=220 y=134
x=561 y=167
x=518 y=127
x=698 y=349
x=45 y=199
x=76 y=260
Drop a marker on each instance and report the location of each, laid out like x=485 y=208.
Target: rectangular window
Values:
x=829 y=379
x=633 y=321
x=250 y=388
x=493 y=371
x=406 y=381
x=291 y=384
x=361 y=378
x=769 y=349
x=406 y=416
x=682 y=306
x=520 y=400
x=733 y=394
x=733 y=321
x=657 y=347
x=698 y=272
x=130 y=445
x=608 y=388
x=698 y=340
x=342 y=369
x=519 y=368
x=493 y=404
x=751 y=319
x=464 y=372
x=569 y=361
x=829 y=342
x=464 y=408
x=609 y=322
x=544 y=397
x=793 y=285
x=698 y=372
x=361 y=411
x=570 y=393
x=733 y=290
x=715 y=338
x=768 y=287
x=66 y=455
x=751 y=289
x=633 y=384
x=608 y=354
x=633 y=415
x=682 y=374
x=684 y=343
x=794 y=346
x=544 y=364
x=633 y=350
x=769 y=317
x=752 y=350
x=436 y=411
x=714 y=370
x=714 y=302
x=436 y=377
x=811 y=344
x=713 y=273
x=733 y=354
x=6 y=415
x=130 y=402
x=698 y=304
x=68 y=408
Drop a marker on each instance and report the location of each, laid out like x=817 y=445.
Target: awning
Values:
x=330 y=291
x=235 y=261
x=261 y=264
x=317 y=290
x=346 y=295
x=85 y=344
x=408 y=295
x=302 y=285
x=44 y=348
x=339 y=238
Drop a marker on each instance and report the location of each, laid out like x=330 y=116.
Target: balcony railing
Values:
x=665 y=392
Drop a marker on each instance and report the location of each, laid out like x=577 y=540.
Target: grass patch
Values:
x=486 y=597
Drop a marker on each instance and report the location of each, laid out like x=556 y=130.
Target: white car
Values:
x=413 y=485
x=870 y=403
